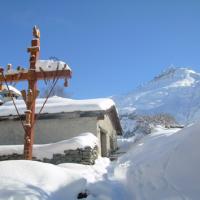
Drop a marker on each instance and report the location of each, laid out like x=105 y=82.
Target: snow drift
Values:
x=30 y=180
x=163 y=166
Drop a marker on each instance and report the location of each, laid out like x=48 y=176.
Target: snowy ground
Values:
x=163 y=165
x=30 y=180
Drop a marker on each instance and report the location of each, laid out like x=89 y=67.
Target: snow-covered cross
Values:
x=38 y=70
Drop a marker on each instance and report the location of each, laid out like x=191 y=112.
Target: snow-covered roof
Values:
x=11 y=88
x=51 y=65
x=58 y=104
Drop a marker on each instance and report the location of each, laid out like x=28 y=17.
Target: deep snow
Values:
x=30 y=180
x=162 y=165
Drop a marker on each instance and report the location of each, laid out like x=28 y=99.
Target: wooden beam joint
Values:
x=33 y=49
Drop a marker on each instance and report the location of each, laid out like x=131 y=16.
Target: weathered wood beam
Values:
x=27 y=75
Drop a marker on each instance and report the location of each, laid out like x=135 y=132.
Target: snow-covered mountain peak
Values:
x=175 y=91
x=176 y=72
x=175 y=77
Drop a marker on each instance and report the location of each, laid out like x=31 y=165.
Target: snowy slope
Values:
x=163 y=165
x=174 y=91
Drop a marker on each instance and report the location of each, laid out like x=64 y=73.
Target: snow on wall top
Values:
x=51 y=65
x=47 y=150
x=57 y=105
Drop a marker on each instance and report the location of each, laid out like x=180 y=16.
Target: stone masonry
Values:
x=86 y=156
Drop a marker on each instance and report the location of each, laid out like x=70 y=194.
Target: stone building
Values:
x=63 y=119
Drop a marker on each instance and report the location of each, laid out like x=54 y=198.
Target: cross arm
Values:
x=26 y=75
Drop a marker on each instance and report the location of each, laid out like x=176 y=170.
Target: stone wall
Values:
x=53 y=128
x=85 y=156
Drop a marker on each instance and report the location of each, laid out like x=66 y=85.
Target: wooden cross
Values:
x=32 y=75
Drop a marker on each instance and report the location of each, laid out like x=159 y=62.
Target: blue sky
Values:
x=112 y=46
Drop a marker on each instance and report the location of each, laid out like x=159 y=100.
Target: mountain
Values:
x=176 y=92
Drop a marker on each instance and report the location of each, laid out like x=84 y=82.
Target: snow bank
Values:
x=92 y=173
x=30 y=180
x=58 y=104
x=163 y=165
x=47 y=150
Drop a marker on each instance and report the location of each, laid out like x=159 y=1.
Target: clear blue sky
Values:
x=111 y=45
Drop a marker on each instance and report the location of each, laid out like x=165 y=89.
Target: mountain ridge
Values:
x=175 y=91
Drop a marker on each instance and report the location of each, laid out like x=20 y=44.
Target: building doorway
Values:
x=103 y=144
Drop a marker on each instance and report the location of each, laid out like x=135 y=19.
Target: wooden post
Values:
x=32 y=76
x=32 y=94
